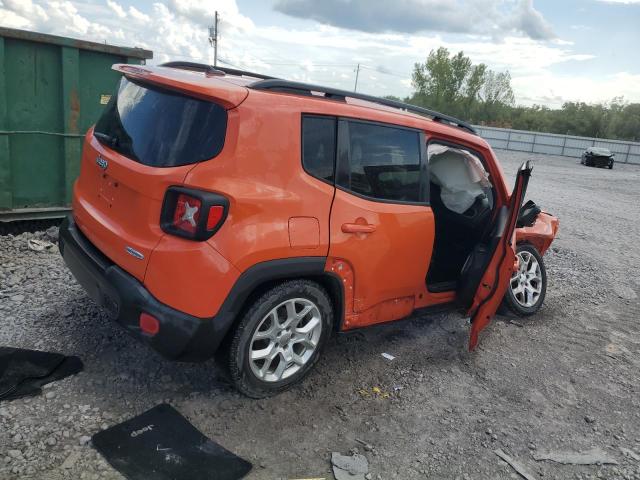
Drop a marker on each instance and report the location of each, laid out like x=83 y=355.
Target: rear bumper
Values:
x=181 y=336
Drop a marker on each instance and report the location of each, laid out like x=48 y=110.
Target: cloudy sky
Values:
x=556 y=50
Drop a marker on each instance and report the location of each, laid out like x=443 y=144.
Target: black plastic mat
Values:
x=23 y=372
x=161 y=444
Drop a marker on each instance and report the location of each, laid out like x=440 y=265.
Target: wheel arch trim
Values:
x=259 y=277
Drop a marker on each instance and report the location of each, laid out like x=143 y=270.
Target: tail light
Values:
x=192 y=214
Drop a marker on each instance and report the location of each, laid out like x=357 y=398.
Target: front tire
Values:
x=528 y=285
x=280 y=338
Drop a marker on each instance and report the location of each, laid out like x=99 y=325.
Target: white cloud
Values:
x=11 y=19
x=117 y=8
x=26 y=9
x=177 y=30
x=553 y=90
x=488 y=17
x=138 y=15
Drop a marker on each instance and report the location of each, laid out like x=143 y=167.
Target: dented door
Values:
x=495 y=279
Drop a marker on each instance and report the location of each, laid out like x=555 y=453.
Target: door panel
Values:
x=495 y=279
x=388 y=247
x=382 y=228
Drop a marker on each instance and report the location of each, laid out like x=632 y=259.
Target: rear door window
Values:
x=319 y=146
x=160 y=127
x=384 y=162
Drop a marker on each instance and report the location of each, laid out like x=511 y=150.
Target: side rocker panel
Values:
x=382 y=312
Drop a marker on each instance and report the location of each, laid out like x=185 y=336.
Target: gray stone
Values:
x=353 y=467
x=71 y=460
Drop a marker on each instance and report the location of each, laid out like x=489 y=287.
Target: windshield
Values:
x=600 y=151
x=161 y=128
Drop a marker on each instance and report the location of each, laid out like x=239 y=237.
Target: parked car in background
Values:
x=597 y=157
x=220 y=211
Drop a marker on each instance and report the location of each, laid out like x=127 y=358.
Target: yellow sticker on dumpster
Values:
x=104 y=99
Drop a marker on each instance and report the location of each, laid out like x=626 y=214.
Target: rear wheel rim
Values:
x=285 y=340
x=526 y=282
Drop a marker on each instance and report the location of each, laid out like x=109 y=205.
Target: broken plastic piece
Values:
x=517 y=466
x=38 y=245
x=594 y=456
x=354 y=467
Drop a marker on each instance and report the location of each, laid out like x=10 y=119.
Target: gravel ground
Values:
x=564 y=380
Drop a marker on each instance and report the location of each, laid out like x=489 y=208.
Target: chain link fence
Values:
x=553 y=144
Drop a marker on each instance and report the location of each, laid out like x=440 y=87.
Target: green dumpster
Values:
x=52 y=89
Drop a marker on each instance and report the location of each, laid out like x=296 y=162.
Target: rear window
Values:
x=161 y=128
x=319 y=146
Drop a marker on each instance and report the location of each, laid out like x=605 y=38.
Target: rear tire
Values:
x=528 y=285
x=279 y=338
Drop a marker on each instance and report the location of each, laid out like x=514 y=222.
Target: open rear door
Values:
x=494 y=280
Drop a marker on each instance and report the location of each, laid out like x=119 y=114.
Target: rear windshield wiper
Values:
x=108 y=139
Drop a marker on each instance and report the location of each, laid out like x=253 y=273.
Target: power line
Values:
x=356 y=67
x=377 y=70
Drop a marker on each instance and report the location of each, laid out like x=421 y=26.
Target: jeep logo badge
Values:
x=134 y=253
x=102 y=163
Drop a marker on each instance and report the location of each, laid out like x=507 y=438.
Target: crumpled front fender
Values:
x=541 y=233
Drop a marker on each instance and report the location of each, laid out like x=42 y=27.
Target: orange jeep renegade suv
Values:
x=224 y=211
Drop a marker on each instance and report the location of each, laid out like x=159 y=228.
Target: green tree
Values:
x=453 y=85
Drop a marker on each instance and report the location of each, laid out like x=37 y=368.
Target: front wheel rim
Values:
x=526 y=282
x=285 y=340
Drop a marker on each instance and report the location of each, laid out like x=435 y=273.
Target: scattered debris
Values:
x=517 y=466
x=39 y=245
x=627 y=452
x=310 y=478
x=517 y=324
x=24 y=372
x=374 y=392
x=353 y=467
x=52 y=233
x=594 y=456
x=71 y=460
x=388 y=356
x=367 y=446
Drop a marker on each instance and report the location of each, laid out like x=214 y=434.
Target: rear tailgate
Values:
x=161 y=122
x=118 y=207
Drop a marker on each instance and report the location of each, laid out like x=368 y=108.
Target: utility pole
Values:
x=213 y=38
x=355 y=87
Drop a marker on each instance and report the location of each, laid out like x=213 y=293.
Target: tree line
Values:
x=452 y=84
